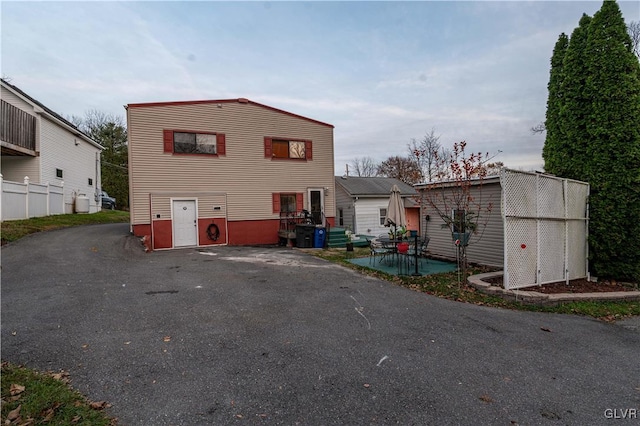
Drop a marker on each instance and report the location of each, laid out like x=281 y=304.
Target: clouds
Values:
x=381 y=72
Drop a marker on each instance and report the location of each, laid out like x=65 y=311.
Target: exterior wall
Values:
x=486 y=248
x=368 y=216
x=58 y=150
x=243 y=173
x=345 y=202
x=16 y=168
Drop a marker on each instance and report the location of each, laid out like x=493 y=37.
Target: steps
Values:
x=337 y=238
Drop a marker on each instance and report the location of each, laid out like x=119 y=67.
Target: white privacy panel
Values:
x=545 y=228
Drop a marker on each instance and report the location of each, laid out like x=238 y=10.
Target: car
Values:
x=108 y=202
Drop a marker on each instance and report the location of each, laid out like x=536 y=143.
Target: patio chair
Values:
x=376 y=250
x=422 y=251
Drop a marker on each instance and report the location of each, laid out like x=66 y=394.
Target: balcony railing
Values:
x=18 y=127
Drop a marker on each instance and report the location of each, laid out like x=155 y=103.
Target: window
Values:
x=287 y=203
x=186 y=142
x=297 y=149
x=340 y=217
x=59 y=173
x=288 y=149
x=194 y=143
x=383 y=215
x=90 y=182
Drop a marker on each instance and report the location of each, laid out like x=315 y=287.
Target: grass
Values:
x=29 y=397
x=15 y=229
x=446 y=286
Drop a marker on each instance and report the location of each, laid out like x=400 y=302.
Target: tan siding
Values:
x=243 y=173
x=486 y=248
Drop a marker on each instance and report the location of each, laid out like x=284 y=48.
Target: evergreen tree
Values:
x=613 y=146
x=552 y=150
x=574 y=106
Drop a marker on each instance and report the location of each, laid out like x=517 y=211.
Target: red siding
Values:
x=141 y=230
x=253 y=232
x=162 y=234
x=204 y=223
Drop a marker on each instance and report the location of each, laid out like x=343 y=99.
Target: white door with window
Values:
x=185 y=223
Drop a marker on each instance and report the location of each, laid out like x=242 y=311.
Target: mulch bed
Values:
x=575 y=286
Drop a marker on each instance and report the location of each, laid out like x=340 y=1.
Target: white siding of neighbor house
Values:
x=368 y=216
x=485 y=248
x=344 y=202
x=58 y=150
x=16 y=168
x=244 y=174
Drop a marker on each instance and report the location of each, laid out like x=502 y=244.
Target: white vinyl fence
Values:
x=545 y=229
x=25 y=200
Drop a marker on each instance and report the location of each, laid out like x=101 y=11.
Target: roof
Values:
x=373 y=186
x=52 y=114
x=227 y=101
x=447 y=183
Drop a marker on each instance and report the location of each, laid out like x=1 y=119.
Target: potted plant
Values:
x=349 y=240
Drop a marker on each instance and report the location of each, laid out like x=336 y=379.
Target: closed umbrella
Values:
x=395 y=211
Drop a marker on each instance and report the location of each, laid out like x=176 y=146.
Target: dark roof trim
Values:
x=227 y=101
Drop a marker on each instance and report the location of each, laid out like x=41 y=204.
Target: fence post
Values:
x=26 y=200
x=62 y=186
x=48 y=197
x=1 y=193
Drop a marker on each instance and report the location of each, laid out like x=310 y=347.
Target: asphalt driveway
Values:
x=275 y=336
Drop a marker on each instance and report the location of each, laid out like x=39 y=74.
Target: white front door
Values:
x=185 y=225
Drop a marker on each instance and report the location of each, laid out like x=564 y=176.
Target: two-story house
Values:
x=225 y=171
x=40 y=144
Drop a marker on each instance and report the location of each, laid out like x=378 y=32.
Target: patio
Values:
x=425 y=266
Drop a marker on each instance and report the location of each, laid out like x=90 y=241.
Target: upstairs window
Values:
x=194 y=143
x=293 y=149
x=185 y=142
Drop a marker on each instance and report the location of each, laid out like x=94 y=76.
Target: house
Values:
x=362 y=202
x=229 y=171
x=537 y=228
x=40 y=144
x=487 y=246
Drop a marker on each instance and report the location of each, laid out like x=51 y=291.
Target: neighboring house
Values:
x=487 y=246
x=225 y=171
x=39 y=144
x=537 y=228
x=361 y=203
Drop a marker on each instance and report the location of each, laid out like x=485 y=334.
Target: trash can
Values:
x=318 y=237
x=304 y=236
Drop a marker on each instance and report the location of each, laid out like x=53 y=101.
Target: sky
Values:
x=383 y=73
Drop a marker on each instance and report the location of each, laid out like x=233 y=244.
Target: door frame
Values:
x=173 y=229
x=322 y=203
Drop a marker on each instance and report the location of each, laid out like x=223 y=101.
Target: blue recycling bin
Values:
x=318 y=237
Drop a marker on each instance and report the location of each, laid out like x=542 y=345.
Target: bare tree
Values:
x=538 y=128
x=422 y=152
x=364 y=167
x=633 y=28
x=405 y=169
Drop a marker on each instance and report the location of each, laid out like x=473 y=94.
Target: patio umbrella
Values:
x=395 y=211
